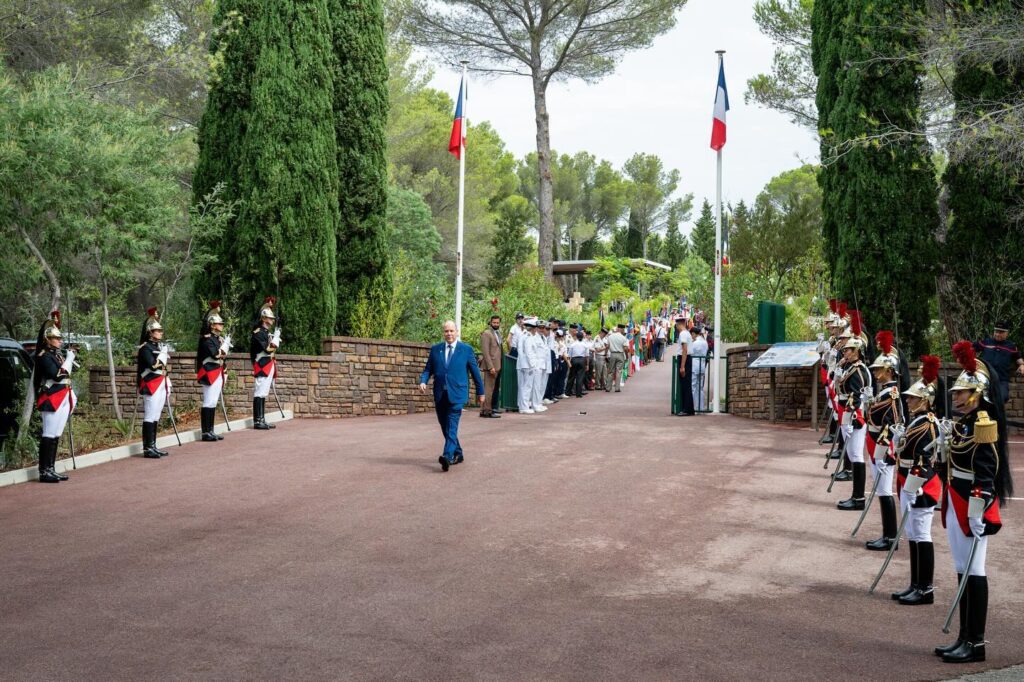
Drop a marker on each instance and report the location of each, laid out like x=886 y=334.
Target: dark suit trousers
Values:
x=448 y=417
x=687 y=388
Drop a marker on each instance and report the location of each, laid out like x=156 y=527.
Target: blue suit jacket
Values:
x=453 y=379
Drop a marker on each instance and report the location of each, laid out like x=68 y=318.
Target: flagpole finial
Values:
x=719 y=52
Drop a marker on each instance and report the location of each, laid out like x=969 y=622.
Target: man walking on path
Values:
x=450 y=363
x=617 y=356
x=490 y=360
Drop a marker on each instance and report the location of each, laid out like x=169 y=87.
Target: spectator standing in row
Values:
x=617 y=355
x=685 y=367
x=601 y=360
x=490 y=362
x=578 y=358
x=660 y=340
x=1003 y=355
x=514 y=334
x=699 y=353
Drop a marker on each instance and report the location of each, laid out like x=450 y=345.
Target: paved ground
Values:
x=618 y=544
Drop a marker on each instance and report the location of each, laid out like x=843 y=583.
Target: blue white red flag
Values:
x=457 y=141
x=721 y=106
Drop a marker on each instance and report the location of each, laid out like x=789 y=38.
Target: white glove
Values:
x=275 y=340
x=847 y=429
x=69 y=362
x=908 y=498
x=163 y=358
x=977 y=527
x=225 y=345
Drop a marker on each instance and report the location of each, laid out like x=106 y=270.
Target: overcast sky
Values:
x=659 y=101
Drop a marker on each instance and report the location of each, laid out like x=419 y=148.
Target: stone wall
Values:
x=749 y=388
x=352 y=377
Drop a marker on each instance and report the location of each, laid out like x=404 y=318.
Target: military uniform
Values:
x=851 y=390
x=211 y=356
x=55 y=398
x=884 y=416
x=262 y=347
x=153 y=382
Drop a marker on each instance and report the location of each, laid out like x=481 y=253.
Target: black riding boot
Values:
x=887 y=506
x=856 y=501
x=263 y=411
x=46 y=472
x=257 y=415
x=925 y=593
x=963 y=634
x=845 y=474
x=206 y=415
x=914 y=574
x=972 y=649
x=54 y=446
x=149 y=450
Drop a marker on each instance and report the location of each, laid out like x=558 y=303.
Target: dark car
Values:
x=15 y=369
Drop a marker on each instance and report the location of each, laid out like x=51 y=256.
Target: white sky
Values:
x=660 y=101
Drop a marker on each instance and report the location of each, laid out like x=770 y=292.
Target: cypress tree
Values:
x=702 y=238
x=285 y=171
x=881 y=198
x=634 y=245
x=360 y=114
x=827 y=21
x=984 y=242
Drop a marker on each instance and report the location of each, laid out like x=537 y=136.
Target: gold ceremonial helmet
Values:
x=854 y=343
x=51 y=328
x=926 y=387
x=213 y=314
x=153 y=320
x=974 y=376
x=267 y=310
x=889 y=357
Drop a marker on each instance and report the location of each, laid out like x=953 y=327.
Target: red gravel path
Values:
x=619 y=544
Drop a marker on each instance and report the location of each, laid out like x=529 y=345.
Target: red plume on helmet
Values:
x=855 y=327
x=55 y=316
x=151 y=312
x=963 y=351
x=930 y=368
x=843 y=308
x=884 y=341
x=215 y=303
x=270 y=301
x=833 y=305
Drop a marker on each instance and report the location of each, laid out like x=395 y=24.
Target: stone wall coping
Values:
x=380 y=342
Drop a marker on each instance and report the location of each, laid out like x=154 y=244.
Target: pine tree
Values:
x=634 y=245
x=361 y=114
x=984 y=242
x=879 y=201
x=277 y=123
x=702 y=238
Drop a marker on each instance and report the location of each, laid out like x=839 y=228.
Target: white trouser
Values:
x=960 y=545
x=540 y=384
x=919 y=526
x=261 y=387
x=54 y=422
x=884 y=488
x=153 y=405
x=697 y=387
x=855 y=442
x=525 y=377
x=211 y=393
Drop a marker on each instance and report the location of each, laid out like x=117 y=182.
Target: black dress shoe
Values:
x=943 y=650
x=903 y=593
x=261 y=426
x=443 y=461
x=880 y=545
x=48 y=476
x=851 y=504
x=151 y=454
x=828 y=439
x=835 y=454
x=209 y=438
x=60 y=476
x=919 y=597
x=493 y=416
x=844 y=475
x=216 y=435
x=459 y=459
x=967 y=652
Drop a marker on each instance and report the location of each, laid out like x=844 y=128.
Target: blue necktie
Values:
x=447 y=356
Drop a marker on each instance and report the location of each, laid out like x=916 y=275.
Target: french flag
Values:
x=721 y=106
x=457 y=142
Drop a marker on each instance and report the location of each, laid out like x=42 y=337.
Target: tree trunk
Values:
x=545 y=194
x=51 y=276
x=110 y=347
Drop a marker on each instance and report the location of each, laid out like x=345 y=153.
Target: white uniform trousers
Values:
x=884 y=488
x=855 y=442
x=960 y=545
x=540 y=384
x=211 y=393
x=54 y=422
x=261 y=387
x=525 y=398
x=919 y=525
x=153 y=405
x=697 y=388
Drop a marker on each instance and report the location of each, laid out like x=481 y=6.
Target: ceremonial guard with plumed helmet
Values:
x=919 y=484
x=55 y=398
x=853 y=389
x=977 y=481
x=884 y=416
x=211 y=356
x=262 y=348
x=153 y=380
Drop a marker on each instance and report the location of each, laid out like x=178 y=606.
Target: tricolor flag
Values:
x=721 y=106
x=457 y=142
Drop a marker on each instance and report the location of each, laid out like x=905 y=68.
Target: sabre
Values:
x=71 y=405
x=892 y=550
x=828 y=425
x=832 y=448
x=224 y=409
x=273 y=387
x=135 y=413
x=71 y=438
x=226 y=345
x=867 y=505
x=170 y=412
x=962 y=587
x=839 y=464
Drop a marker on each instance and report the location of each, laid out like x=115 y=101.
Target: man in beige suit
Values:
x=490 y=365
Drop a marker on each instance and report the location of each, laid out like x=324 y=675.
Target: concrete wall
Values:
x=352 y=377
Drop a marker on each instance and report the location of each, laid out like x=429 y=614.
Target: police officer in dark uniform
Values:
x=1002 y=355
x=210 y=371
x=55 y=398
x=153 y=380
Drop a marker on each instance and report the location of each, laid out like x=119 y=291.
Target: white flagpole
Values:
x=715 y=397
x=462 y=204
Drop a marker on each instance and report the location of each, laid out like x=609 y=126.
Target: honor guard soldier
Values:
x=978 y=481
x=262 y=348
x=55 y=399
x=853 y=388
x=884 y=416
x=154 y=383
x=919 y=484
x=210 y=371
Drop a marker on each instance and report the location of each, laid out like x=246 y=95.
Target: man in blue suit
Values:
x=450 y=363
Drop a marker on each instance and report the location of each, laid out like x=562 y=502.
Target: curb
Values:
x=131 y=450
